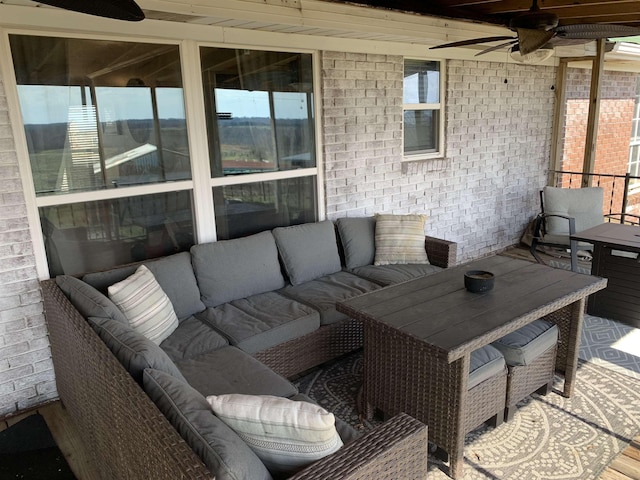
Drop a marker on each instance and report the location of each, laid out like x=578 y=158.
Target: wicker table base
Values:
x=419 y=336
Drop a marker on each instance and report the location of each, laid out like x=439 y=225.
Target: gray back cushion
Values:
x=174 y=274
x=308 y=251
x=231 y=269
x=358 y=240
x=225 y=454
x=134 y=351
x=89 y=301
x=583 y=204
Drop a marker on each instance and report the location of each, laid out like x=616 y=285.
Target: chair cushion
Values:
x=357 y=236
x=485 y=362
x=230 y=370
x=308 y=251
x=87 y=300
x=583 y=204
x=146 y=306
x=323 y=293
x=400 y=239
x=225 y=454
x=231 y=269
x=391 y=274
x=262 y=321
x=287 y=435
x=134 y=351
x=527 y=343
x=191 y=339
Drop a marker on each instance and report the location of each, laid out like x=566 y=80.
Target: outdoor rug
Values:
x=550 y=437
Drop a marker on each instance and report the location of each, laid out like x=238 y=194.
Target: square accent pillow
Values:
x=146 y=306
x=286 y=435
x=400 y=240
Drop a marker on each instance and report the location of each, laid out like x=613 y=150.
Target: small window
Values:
x=422 y=101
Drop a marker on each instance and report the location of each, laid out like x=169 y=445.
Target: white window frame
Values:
x=440 y=151
x=201 y=183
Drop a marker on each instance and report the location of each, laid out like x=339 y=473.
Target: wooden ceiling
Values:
x=499 y=12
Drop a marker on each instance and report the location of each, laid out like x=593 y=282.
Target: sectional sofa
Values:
x=245 y=316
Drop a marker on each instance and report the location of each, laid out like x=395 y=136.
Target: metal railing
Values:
x=621 y=192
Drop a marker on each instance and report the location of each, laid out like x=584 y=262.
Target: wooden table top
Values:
x=438 y=310
x=613 y=234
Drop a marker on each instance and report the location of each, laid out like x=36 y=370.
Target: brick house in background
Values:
x=615 y=125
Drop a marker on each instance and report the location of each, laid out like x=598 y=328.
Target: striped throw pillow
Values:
x=399 y=239
x=287 y=435
x=145 y=305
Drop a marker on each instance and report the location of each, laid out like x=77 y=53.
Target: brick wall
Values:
x=26 y=370
x=614 y=128
x=497 y=135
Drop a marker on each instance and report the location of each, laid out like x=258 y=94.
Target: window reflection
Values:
x=100 y=114
x=254 y=207
x=259 y=110
x=90 y=236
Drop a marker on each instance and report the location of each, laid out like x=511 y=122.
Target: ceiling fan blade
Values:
x=497 y=47
x=593 y=31
x=531 y=40
x=473 y=41
x=117 y=9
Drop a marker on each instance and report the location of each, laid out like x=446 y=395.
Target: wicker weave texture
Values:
x=441 y=253
x=399 y=447
x=125 y=432
x=523 y=380
x=313 y=349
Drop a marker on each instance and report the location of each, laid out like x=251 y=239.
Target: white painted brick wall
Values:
x=26 y=370
x=498 y=141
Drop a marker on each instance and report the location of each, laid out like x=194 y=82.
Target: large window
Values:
x=260 y=118
x=423 y=119
x=634 y=148
x=106 y=129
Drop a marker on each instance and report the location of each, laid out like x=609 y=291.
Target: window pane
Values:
x=254 y=207
x=259 y=110
x=421 y=81
x=100 y=114
x=85 y=237
x=420 y=131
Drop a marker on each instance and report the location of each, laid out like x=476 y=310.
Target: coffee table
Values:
x=419 y=336
x=616 y=250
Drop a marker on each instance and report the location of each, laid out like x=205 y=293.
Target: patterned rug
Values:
x=550 y=437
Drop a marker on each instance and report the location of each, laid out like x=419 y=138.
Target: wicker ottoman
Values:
x=486 y=388
x=530 y=354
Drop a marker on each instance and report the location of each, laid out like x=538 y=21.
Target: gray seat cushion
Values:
x=89 y=301
x=323 y=293
x=485 y=362
x=230 y=370
x=191 y=339
x=308 y=251
x=262 y=321
x=357 y=236
x=391 y=274
x=231 y=269
x=527 y=343
x=174 y=274
x=583 y=204
x=224 y=453
x=134 y=351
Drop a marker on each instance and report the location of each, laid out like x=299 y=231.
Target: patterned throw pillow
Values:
x=145 y=305
x=400 y=239
x=286 y=435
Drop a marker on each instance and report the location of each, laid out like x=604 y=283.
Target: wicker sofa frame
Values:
x=128 y=437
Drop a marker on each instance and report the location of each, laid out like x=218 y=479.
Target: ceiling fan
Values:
x=118 y=9
x=539 y=31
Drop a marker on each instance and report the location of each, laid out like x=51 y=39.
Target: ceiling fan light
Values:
x=537 y=56
x=117 y=9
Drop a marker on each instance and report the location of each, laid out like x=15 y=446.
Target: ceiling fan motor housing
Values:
x=534 y=20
